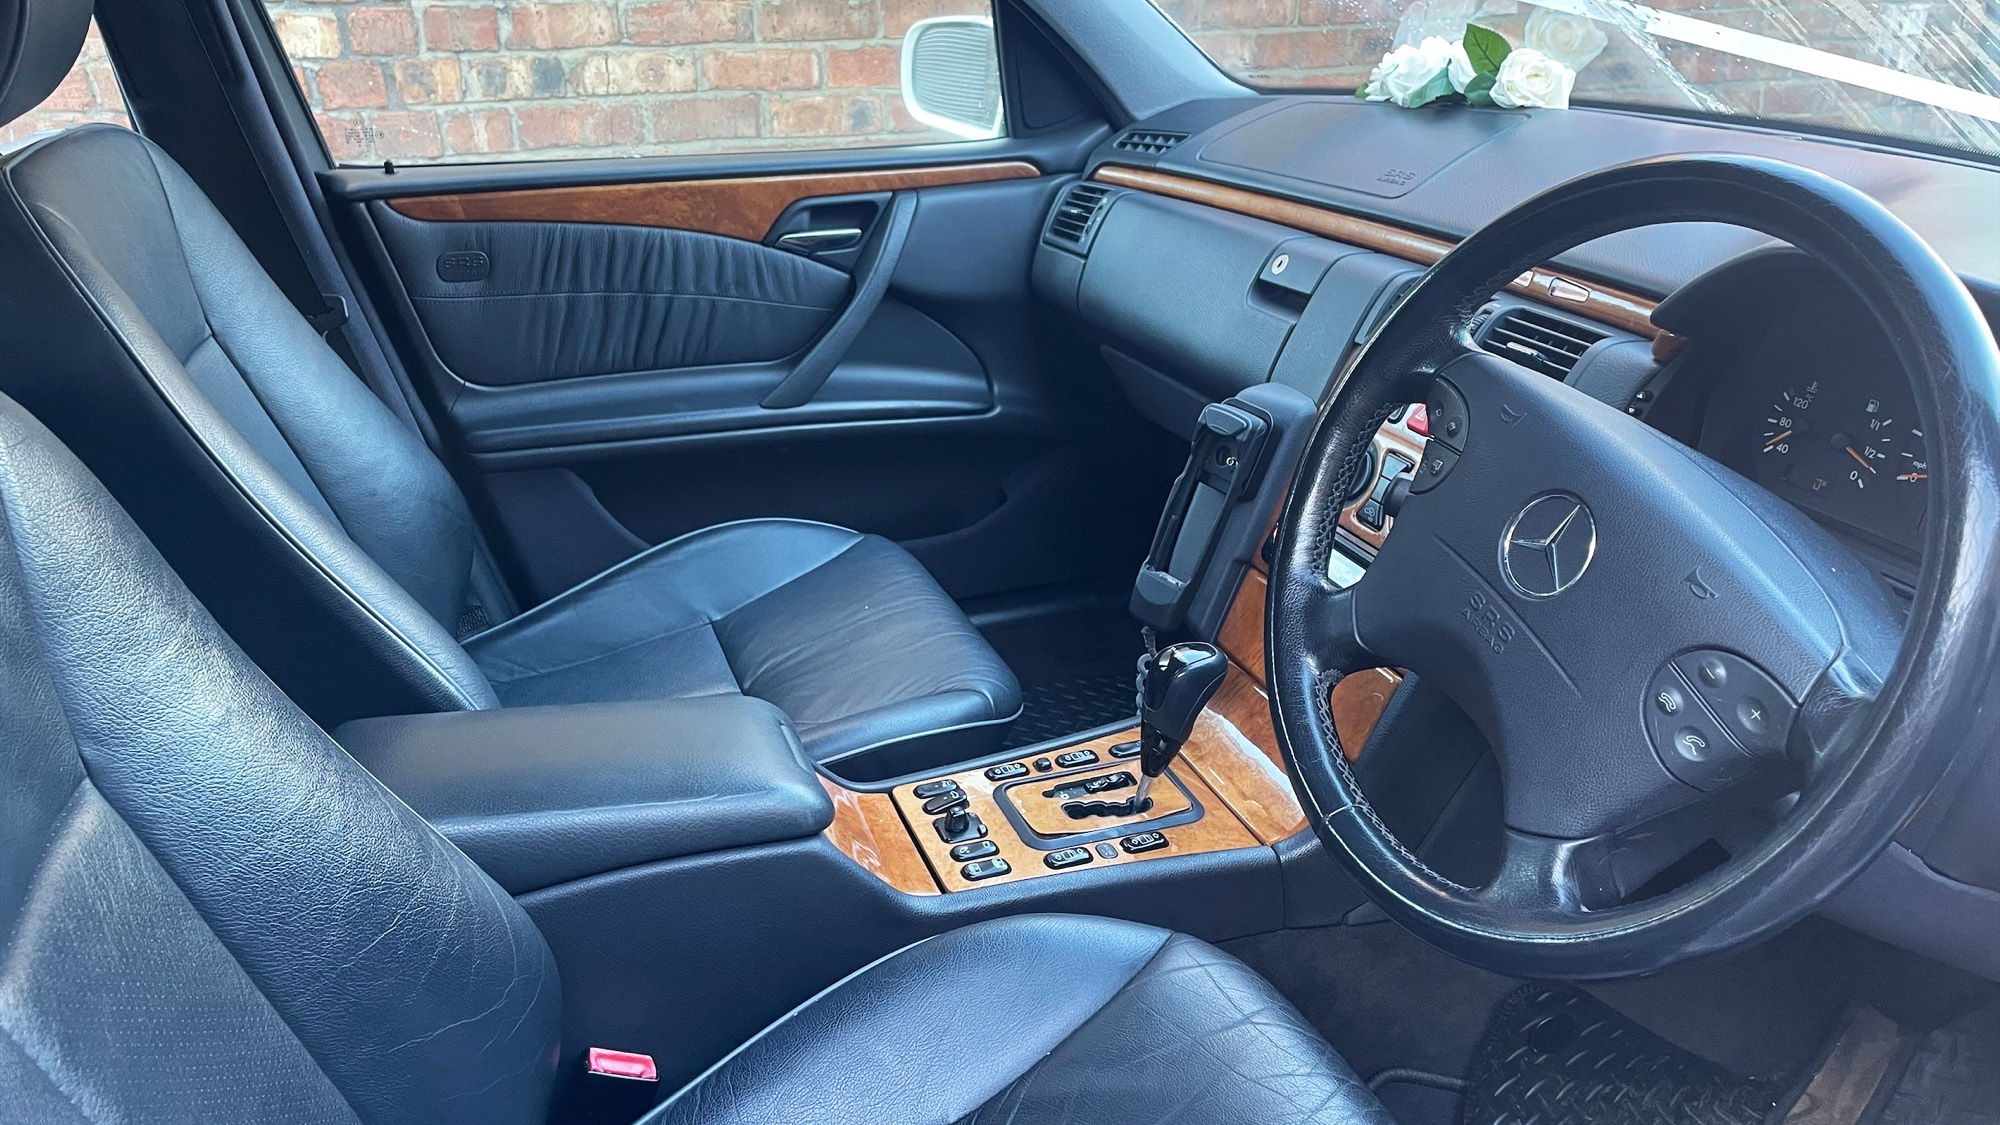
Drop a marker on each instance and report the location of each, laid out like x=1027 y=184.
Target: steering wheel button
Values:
x=1437 y=463
x=1669 y=700
x=1448 y=415
x=1696 y=745
x=1712 y=672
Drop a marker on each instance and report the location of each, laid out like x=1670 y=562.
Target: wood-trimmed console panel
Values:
x=737 y=208
x=1217 y=829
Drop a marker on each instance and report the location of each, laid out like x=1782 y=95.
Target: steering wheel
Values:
x=1647 y=640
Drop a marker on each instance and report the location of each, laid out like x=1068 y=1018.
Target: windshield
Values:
x=1923 y=71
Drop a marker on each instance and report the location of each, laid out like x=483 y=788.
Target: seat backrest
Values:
x=321 y=529
x=208 y=911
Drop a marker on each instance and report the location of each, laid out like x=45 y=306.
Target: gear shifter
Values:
x=1175 y=683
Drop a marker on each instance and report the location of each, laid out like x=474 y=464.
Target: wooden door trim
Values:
x=736 y=208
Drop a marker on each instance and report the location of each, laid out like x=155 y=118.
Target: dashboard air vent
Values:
x=1152 y=143
x=1076 y=212
x=1549 y=344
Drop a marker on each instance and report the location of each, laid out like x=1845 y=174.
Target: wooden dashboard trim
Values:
x=736 y=208
x=1603 y=303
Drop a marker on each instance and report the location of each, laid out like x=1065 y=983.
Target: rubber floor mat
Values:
x=1064 y=707
x=1954 y=1077
x=1554 y=1056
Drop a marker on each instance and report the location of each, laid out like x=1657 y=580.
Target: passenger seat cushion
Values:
x=844 y=632
x=1035 y=1020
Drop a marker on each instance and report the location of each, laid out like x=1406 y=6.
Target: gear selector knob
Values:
x=1175 y=683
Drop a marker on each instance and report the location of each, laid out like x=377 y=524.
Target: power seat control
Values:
x=1712 y=716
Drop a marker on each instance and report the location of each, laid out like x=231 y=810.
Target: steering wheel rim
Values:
x=1877 y=727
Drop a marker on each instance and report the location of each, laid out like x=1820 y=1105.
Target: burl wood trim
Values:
x=1044 y=814
x=1357 y=703
x=868 y=829
x=738 y=208
x=1235 y=752
x=1241 y=637
x=1603 y=303
x=1217 y=830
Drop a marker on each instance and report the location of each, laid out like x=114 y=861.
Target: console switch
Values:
x=977 y=849
x=931 y=789
x=1076 y=758
x=1011 y=769
x=1143 y=842
x=944 y=802
x=1066 y=857
x=959 y=824
x=984 y=869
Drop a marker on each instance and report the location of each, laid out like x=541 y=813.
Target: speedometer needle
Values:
x=1773 y=443
x=1860 y=458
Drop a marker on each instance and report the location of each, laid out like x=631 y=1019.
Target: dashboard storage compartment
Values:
x=544 y=795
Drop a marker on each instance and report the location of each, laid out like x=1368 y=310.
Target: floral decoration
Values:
x=1484 y=69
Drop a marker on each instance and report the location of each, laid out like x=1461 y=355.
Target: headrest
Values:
x=39 y=41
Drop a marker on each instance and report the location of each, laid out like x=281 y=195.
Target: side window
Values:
x=478 y=80
x=88 y=94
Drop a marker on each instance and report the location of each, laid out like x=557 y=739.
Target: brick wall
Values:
x=418 y=80
x=1334 y=44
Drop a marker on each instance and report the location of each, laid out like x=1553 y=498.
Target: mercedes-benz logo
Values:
x=1548 y=545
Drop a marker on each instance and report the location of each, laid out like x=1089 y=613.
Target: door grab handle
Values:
x=871 y=283
x=815 y=241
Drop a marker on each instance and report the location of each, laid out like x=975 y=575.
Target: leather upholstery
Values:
x=545 y=795
x=207 y=910
x=1031 y=1020
x=590 y=299
x=335 y=547
x=845 y=632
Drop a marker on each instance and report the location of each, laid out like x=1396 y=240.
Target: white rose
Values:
x=1460 y=68
x=1569 y=39
x=1405 y=71
x=1531 y=78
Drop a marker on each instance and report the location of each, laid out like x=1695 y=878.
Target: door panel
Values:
x=614 y=377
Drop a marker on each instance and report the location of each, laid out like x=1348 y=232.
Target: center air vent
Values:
x=1076 y=214
x=1149 y=142
x=1547 y=343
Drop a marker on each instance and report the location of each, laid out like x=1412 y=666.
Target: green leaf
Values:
x=1361 y=91
x=1438 y=87
x=1479 y=91
x=1486 y=48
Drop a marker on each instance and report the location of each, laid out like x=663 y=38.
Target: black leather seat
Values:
x=330 y=540
x=209 y=912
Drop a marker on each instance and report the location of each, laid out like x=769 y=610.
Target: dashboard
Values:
x=1221 y=246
